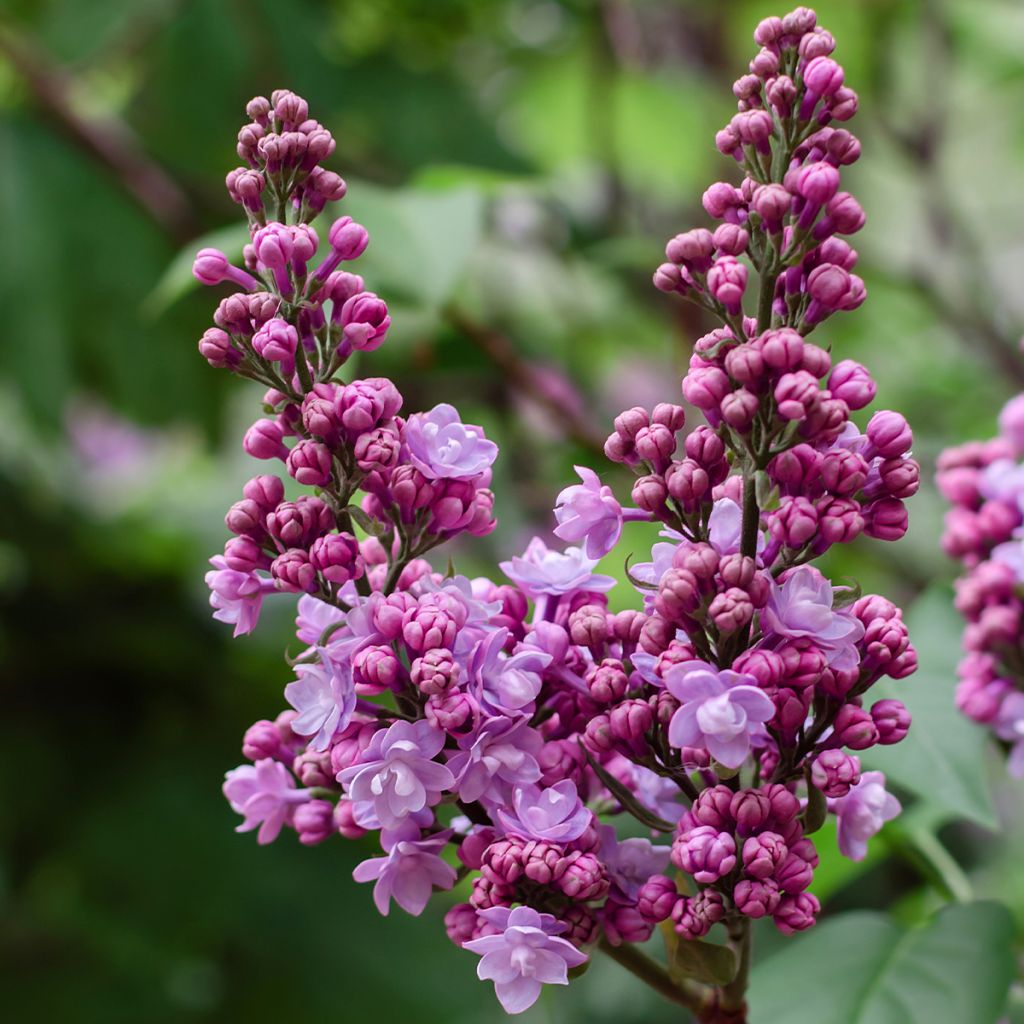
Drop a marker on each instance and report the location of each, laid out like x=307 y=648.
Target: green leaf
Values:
x=370 y=526
x=766 y=491
x=816 y=811
x=942 y=760
x=177 y=280
x=861 y=968
x=702 y=961
x=421 y=240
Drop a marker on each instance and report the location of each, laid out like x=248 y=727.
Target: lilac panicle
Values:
x=509 y=725
x=984 y=483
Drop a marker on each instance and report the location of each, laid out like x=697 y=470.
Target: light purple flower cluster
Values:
x=496 y=732
x=984 y=483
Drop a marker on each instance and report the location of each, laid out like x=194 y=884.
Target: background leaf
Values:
x=861 y=968
x=942 y=760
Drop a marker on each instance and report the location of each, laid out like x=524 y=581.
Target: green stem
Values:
x=733 y=996
x=651 y=973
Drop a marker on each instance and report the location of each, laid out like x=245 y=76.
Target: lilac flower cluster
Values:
x=984 y=483
x=515 y=737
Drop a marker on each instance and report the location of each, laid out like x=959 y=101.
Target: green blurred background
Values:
x=520 y=164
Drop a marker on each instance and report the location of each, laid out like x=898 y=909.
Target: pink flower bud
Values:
x=293 y=572
x=265 y=440
x=890 y=434
x=892 y=720
x=310 y=462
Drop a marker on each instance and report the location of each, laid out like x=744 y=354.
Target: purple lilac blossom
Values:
x=802 y=607
x=505 y=683
x=1009 y=726
x=720 y=710
x=410 y=871
x=499 y=754
x=265 y=794
x=397 y=773
x=540 y=570
x=314 y=616
x=1011 y=553
x=862 y=813
x=526 y=955
x=324 y=696
x=236 y=596
x=441 y=446
x=589 y=512
x=630 y=862
x=555 y=815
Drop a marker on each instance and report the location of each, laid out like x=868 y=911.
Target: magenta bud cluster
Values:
x=983 y=481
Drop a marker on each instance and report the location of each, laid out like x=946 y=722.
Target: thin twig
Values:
x=524 y=379
x=108 y=140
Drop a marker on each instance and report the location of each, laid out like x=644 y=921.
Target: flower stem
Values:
x=694 y=997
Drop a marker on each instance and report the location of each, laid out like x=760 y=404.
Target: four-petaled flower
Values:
x=802 y=607
x=539 y=570
x=589 y=512
x=441 y=445
x=397 y=774
x=324 y=696
x=265 y=794
x=526 y=955
x=720 y=710
x=555 y=815
x=410 y=871
x=862 y=813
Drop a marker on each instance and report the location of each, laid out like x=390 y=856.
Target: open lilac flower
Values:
x=236 y=596
x=589 y=512
x=802 y=607
x=725 y=527
x=1009 y=726
x=526 y=955
x=556 y=815
x=441 y=446
x=630 y=862
x=539 y=570
x=1011 y=553
x=505 y=683
x=410 y=871
x=499 y=754
x=862 y=813
x=265 y=794
x=324 y=696
x=397 y=773
x=314 y=616
x=720 y=710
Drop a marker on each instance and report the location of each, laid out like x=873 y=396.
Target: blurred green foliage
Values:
x=520 y=164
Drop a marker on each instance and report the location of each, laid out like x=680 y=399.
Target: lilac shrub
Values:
x=585 y=776
x=984 y=483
